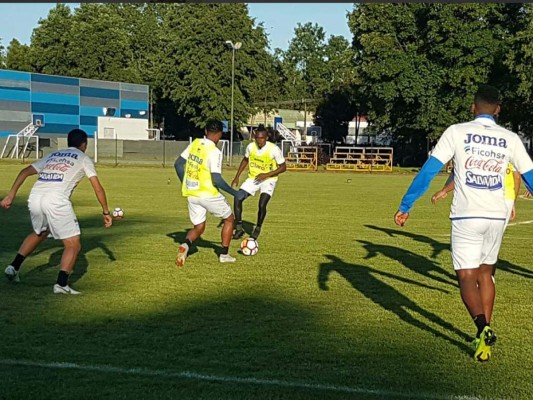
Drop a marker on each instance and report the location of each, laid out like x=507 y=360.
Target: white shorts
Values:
x=55 y=214
x=251 y=187
x=199 y=206
x=476 y=241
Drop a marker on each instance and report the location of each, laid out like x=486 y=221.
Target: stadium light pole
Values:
x=234 y=47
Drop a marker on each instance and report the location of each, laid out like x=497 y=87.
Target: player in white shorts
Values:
x=265 y=162
x=50 y=208
x=199 y=168
x=481 y=151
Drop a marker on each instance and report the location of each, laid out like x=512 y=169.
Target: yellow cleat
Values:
x=484 y=345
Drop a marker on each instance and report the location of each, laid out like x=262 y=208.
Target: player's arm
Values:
x=19 y=180
x=449 y=185
x=265 y=175
x=242 y=166
x=417 y=188
x=102 y=199
x=179 y=166
x=221 y=184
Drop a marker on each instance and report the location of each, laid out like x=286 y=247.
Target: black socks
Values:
x=17 y=262
x=481 y=322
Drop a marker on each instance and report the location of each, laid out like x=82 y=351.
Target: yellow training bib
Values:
x=261 y=160
x=197 y=181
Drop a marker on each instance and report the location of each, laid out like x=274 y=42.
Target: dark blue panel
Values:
x=15 y=88
x=96 y=92
x=54 y=108
x=87 y=120
x=57 y=128
x=61 y=80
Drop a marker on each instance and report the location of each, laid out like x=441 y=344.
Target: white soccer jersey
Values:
x=481 y=150
x=214 y=160
x=60 y=172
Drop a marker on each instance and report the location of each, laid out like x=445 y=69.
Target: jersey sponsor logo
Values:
x=487 y=182
x=196 y=159
x=478 y=151
x=58 y=166
x=484 y=139
x=64 y=154
x=490 y=165
x=51 y=177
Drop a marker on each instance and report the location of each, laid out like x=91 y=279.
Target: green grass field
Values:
x=339 y=303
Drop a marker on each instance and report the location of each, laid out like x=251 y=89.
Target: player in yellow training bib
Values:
x=199 y=169
x=265 y=162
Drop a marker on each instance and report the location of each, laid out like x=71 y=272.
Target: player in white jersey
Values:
x=481 y=151
x=265 y=162
x=50 y=208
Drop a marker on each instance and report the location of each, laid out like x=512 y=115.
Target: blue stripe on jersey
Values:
x=421 y=183
x=528 y=180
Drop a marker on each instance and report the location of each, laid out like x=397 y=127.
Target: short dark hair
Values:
x=76 y=138
x=487 y=94
x=261 y=128
x=214 y=125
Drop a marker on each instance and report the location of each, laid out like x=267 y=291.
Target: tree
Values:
x=195 y=71
x=421 y=63
x=2 y=55
x=49 y=52
x=18 y=58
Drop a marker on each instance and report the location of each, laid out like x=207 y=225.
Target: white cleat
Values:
x=64 y=290
x=12 y=274
x=226 y=258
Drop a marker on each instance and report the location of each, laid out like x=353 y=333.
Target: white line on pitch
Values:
x=520 y=223
x=226 y=379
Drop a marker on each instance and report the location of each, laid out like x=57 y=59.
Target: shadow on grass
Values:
x=412 y=261
x=437 y=246
x=364 y=279
x=180 y=236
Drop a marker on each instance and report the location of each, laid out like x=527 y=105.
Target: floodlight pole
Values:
x=234 y=47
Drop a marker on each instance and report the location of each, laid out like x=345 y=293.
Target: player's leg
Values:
x=30 y=243
x=487 y=289
x=261 y=214
x=267 y=190
x=198 y=216
x=72 y=247
x=237 y=207
x=27 y=247
x=220 y=208
x=249 y=188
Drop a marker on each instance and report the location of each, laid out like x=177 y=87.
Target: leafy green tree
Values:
x=18 y=58
x=195 y=71
x=420 y=64
x=50 y=43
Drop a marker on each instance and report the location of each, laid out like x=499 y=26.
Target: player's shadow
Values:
x=180 y=236
x=437 y=246
x=503 y=265
x=365 y=280
x=412 y=261
x=82 y=263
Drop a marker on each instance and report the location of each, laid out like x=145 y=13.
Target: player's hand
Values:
x=441 y=194
x=513 y=214
x=6 y=202
x=108 y=221
x=261 y=177
x=400 y=218
x=235 y=182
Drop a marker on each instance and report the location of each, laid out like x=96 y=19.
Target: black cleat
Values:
x=239 y=233
x=256 y=232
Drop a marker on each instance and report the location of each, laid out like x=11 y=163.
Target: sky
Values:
x=17 y=20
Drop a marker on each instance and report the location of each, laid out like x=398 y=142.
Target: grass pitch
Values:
x=339 y=303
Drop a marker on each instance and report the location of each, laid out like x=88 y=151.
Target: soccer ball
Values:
x=249 y=247
x=118 y=213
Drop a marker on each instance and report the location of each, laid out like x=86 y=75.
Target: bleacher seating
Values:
x=363 y=159
x=302 y=158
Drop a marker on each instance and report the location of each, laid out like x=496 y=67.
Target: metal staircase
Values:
x=288 y=135
x=22 y=140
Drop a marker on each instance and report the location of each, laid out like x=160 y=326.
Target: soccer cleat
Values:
x=255 y=234
x=239 y=233
x=485 y=342
x=182 y=255
x=64 y=290
x=226 y=258
x=12 y=274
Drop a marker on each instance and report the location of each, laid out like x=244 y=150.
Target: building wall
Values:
x=64 y=103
